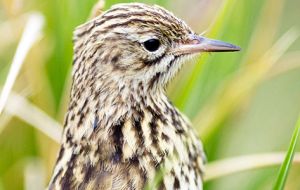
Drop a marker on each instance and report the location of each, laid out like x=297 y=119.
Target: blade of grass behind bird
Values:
x=211 y=70
x=228 y=166
x=181 y=99
x=237 y=90
x=21 y=108
x=62 y=17
x=30 y=35
x=285 y=167
x=288 y=62
x=263 y=37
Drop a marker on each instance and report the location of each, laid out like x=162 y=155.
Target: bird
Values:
x=121 y=130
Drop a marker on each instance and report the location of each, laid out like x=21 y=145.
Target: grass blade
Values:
x=30 y=35
x=228 y=166
x=19 y=106
x=285 y=167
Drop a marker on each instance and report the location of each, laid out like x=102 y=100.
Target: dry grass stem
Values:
x=229 y=166
x=29 y=37
x=20 y=107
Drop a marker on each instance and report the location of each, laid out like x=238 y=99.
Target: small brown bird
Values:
x=120 y=128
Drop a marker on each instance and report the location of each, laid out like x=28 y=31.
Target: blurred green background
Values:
x=240 y=103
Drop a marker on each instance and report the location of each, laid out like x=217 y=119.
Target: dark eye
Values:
x=152 y=45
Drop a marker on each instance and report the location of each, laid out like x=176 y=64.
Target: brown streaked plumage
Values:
x=120 y=127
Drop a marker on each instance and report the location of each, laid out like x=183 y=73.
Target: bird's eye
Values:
x=152 y=45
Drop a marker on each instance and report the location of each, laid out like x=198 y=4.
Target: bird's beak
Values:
x=197 y=44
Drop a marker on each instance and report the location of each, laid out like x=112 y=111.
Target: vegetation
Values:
x=244 y=105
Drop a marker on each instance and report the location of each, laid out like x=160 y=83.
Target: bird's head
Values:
x=139 y=44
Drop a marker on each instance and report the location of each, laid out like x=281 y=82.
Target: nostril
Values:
x=195 y=41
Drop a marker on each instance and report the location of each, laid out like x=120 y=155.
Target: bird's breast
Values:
x=130 y=153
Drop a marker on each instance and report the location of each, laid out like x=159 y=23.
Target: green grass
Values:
x=286 y=165
x=240 y=103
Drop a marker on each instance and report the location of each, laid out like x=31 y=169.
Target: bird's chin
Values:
x=175 y=67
